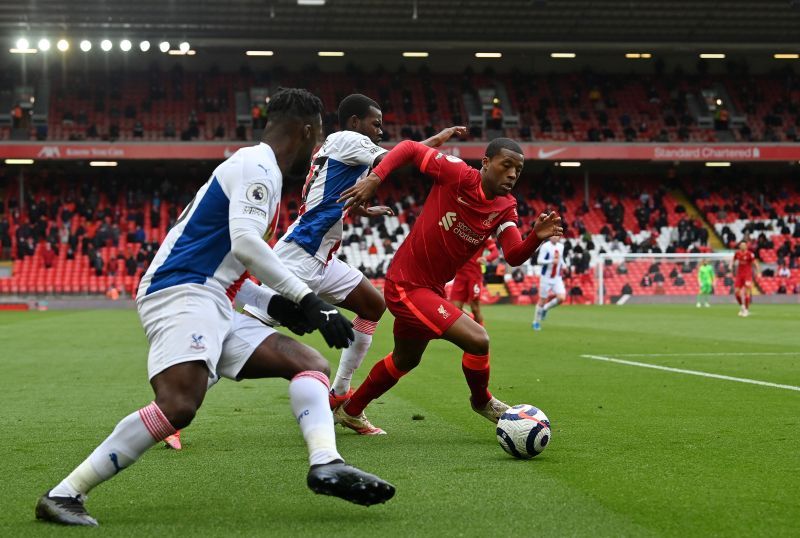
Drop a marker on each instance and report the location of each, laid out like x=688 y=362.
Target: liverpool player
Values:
x=469 y=280
x=464 y=207
x=743 y=262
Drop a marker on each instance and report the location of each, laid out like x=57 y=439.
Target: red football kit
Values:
x=744 y=271
x=469 y=278
x=456 y=220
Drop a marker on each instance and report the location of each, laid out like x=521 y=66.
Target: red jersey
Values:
x=455 y=221
x=745 y=260
x=472 y=269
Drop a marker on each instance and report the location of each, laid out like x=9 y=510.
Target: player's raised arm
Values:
x=429 y=161
x=516 y=250
x=444 y=135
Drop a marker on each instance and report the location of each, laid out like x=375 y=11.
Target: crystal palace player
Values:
x=184 y=303
x=464 y=207
x=743 y=262
x=551 y=258
x=469 y=280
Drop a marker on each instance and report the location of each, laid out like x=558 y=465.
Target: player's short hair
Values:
x=294 y=102
x=357 y=105
x=497 y=144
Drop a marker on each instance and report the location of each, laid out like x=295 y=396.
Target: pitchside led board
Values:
x=467 y=151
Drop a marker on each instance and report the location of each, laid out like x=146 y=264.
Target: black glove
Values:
x=335 y=328
x=289 y=314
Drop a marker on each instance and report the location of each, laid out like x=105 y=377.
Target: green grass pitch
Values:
x=635 y=451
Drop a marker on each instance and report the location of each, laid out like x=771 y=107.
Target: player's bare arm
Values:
x=444 y=135
x=374 y=211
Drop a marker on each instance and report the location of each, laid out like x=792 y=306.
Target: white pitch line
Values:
x=693 y=372
x=732 y=354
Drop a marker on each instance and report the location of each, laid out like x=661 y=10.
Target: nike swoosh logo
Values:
x=461 y=200
x=547 y=154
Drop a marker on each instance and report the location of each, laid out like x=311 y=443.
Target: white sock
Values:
x=537 y=315
x=308 y=394
x=551 y=304
x=132 y=437
x=353 y=356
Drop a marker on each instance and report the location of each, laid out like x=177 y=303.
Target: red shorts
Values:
x=466 y=289
x=744 y=281
x=419 y=313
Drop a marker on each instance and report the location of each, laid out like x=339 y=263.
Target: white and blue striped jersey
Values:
x=344 y=158
x=197 y=250
x=551 y=258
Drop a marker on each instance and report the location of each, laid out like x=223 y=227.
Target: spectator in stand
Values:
x=219 y=132
x=646 y=281
x=169 y=129
x=26 y=248
x=48 y=256
x=5 y=240
x=138 y=129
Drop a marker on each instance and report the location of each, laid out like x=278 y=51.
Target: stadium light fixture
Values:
x=259 y=53
x=86 y=45
x=125 y=45
x=718 y=164
x=638 y=55
x=563 y=55
x=62 y=45
x=415 y=55
x=712 y=56
x=22 y=47
x=106 y=45
x=310 y=2
x=44 y=45
x=144 y=46
x=786 y=56
x=163 y=46
x=330 y=53
x=19 y=161
x=184 y=47
x=569 y=164
x=488 y=54
x=103 y=163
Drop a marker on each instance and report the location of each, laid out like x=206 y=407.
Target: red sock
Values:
x=383 y=376
x=738 y=298
x=476 y=372
x=747 y=301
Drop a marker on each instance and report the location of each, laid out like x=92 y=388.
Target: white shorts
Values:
x=192 y=322
x=332 y=282
x=551 y=285
x=242 y=341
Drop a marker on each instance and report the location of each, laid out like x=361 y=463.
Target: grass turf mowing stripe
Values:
x=693 y=372
x=744 y=354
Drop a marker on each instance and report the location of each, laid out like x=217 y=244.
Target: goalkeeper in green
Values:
x=705 y=277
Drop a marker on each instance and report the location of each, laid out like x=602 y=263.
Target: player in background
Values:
x=184 y=303
x=464 y=207
x=551 y=258
x=308 y=248
x=469 y=280
x=705 y=278
x=743 y=262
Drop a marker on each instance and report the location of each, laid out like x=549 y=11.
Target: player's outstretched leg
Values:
x=383 y=376
x=179 y=392
x=369 y=306
x=474 y=340
x=349 y=483
x=351 y=359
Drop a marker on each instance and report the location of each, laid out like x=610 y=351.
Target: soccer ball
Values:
x=523 y=431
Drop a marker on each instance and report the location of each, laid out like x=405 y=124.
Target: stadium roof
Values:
x=416 y=24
